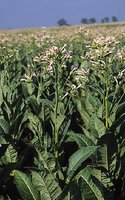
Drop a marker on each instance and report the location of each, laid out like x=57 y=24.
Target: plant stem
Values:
x=56 y=114
x=69 y=195
x=106 y=98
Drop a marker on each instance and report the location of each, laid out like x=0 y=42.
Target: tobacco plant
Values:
x=62 y=119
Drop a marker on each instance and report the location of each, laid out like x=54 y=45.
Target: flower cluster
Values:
x=121 y=54
x=102 y=50
x=28 y=78
x=53 y=55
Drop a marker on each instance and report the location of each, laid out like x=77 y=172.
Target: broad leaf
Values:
x=46 y=184
x=100 y=127
x=46 y=160
x=10 y=155
x=47 y=103
x=92 y=126
x=103 y=157
x=78 y=158
x=89 y=190
x=64 y=130
x=1 y=95
x=25 y=186
x=4 y=126
x=80 y=139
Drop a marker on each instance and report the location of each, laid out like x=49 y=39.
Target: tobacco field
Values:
x=62 y=113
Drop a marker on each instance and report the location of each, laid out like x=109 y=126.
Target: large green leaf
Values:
x=46 y=184
x=46 y=161
x=107 y=153
x=27 y=89
x=89 y=190
x=89 y=135
x=34 y=124
x=1 y=95
x=80 y=139
x=47 y=103
x=64 y=130
x=10 y=156
x=100 y=127
x=84 y=114
x=32 y=102
x=25 y=186
x=4 y=126
x=92 y=127
x=103 y=157
x=78 y=158
x=57 y=121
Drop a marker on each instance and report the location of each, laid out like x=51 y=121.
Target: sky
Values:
x=45 y=13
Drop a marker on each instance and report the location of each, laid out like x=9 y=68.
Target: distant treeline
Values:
x=63 y=22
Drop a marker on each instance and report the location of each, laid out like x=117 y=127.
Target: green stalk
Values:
x=69 y=195
x=106 y=102
x=56 y=135
x=68 y=182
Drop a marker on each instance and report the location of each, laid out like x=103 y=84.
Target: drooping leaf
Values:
x=1 y=95
x=25 y=186
x=80 y=139
x=103 y=157
x=106 y=154
x=10 y=155
x=78 y=158
x=65 y=130
x=100 y=127
x=89 y=104
x=46 y=161
x=89 y=135
x=32 y=102
x=89 y=190
x=100 y=112
x=4 y=126
x=3 y=147
x=46 y=184
x=58 y=121
x=27 y=89
x=92 y=127
x=84 y=114
x=47 y=103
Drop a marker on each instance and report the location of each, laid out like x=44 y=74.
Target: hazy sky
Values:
x=38 y=13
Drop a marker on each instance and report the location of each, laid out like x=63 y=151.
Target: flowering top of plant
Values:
x=101 y=50
x=54 y=54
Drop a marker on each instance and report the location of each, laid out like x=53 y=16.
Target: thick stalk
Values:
x=68 y=182
x=106 y=99
x=56 y=135
x=69 y=195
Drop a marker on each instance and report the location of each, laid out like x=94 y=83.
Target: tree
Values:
x=62 y=22
x=106 y=19
x=102 y=21
x=114 y=19
x=92 y=20
x=84 y=21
